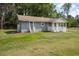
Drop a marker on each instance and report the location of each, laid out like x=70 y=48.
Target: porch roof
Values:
x=39 y=19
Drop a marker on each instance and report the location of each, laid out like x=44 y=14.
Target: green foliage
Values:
x=33 y=9
x=55 y=14
x=66 y=7
x=11 y=17
x=10 y=20
x=36 y=9
x=71 y=21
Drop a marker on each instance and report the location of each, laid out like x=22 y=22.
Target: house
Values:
x=38 y=24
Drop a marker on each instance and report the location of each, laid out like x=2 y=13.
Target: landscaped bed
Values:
x=41 y=43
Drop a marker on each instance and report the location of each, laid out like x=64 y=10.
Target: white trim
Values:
x=33 y=27
x=57 y=27
x=29 y=27
x=52 y=26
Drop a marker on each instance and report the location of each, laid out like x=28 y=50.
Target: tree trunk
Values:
x=2 y=20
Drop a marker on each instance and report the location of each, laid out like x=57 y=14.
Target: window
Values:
x=42 y=24
x=54 y=24
x=50 y=24
x=60 y=24
x=64 y=24
x=31 y=22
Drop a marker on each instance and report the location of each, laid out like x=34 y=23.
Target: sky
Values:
x=73 y=11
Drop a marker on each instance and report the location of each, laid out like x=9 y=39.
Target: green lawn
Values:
x=41 y=43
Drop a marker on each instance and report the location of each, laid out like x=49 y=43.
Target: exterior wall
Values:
x=18 y=27
x=24 y=26
x=56 y=27
x=64 y=29
x=38 y=27
x=31 y=26
x=49 y=27
x=53 y=27
x=59 y=28
x=44 y=26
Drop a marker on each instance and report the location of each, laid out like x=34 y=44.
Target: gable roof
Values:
x=39 y=19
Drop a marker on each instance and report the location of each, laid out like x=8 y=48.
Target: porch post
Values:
x=63 y=27
x=57 y=27
x=29 y=27
x=52 y=26
x=65 y=24
x=33 y=27
x=60 y=26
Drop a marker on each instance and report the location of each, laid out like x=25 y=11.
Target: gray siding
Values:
x=38 y=26
x=18 y=27
x=24 y=26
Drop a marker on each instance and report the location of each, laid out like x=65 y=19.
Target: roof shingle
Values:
x=39 y=19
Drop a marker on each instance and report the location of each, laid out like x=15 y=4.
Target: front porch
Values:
x=57 y=27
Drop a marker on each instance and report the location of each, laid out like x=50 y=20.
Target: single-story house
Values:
x=38 y=24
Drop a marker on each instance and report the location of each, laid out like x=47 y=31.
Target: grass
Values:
x=40 y=44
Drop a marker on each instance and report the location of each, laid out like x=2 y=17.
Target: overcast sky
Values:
x=73 y=11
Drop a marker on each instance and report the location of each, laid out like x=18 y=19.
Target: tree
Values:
x=55 y=14
x=36 y=9
x=11 y=16
x=8 y=12
x=3 y=8
x=77 y=19
x=71 y=21
x=66 y=7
